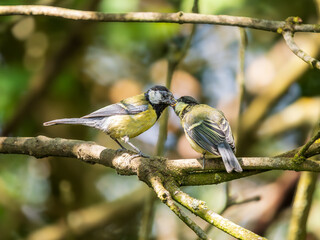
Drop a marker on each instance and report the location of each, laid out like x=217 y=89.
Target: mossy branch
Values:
x=169 y=174
x=200 y=208
x=300 y=156
x=185 y=171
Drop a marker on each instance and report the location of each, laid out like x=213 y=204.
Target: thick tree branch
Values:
x=161 y=174
x=179 y=17
x=185 y=171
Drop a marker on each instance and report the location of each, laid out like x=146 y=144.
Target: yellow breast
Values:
x=131 y=125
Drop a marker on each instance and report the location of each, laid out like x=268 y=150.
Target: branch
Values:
x=156 y=171
x=200 y=209
x=256 y=111
x=179 y=17
x=301 y=205
x=166 y=198
x=185 y=171
x=231 y=201
x=288 y=37
x=299 y=157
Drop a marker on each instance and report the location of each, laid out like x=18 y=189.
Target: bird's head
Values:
x=160 y=95
x=160 y=98
x=183 y=105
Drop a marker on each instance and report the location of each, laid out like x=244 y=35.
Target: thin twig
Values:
x=256 y=111
x=300 y=156
x=230 y=201
x=288 y=37
x=179 y=17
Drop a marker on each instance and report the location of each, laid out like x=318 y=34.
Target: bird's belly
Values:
x=129 y=125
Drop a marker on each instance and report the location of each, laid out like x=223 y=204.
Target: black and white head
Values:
x=160 y=98
x=160 y=95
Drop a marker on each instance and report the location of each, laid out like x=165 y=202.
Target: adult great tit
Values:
x=128 y=118
x=207 y=131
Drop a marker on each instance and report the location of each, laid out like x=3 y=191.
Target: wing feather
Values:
x=121 y=108
x=207 y=135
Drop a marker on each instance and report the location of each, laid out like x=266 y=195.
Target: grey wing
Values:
x=117 y=109
x=207 y=135
x=225 y=127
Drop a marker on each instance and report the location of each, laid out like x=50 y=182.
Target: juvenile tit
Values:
x=207 y=131
x=128 y=118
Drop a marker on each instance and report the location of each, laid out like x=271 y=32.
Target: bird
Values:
x=207 y=130
x=128 y=118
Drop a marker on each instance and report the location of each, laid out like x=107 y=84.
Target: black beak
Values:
x=172 y=102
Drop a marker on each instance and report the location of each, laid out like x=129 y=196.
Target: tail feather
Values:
x=229 y=159
x=79 y=121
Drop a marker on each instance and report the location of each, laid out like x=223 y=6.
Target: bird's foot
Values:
x=143 y=155
x=140 y=154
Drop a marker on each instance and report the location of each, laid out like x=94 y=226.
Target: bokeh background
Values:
x=54 y=68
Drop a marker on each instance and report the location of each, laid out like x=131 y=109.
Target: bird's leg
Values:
x=203 y=159
x=116 y=140
x=126 y=140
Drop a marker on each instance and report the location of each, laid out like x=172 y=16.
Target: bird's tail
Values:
x=79 y=121
x=229 y=159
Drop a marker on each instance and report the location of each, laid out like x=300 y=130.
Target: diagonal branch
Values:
x=166 y=198
x=300 y=156
x=179 y=17
x=200 y=209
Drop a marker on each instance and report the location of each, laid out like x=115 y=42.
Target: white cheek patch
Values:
x=155 y=97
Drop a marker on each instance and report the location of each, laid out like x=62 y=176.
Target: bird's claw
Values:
x=141 y=154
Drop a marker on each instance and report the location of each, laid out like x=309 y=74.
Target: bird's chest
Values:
x=130 y=125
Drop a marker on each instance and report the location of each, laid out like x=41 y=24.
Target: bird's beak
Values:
x=173 y=102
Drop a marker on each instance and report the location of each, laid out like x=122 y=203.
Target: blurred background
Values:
x=54 y=68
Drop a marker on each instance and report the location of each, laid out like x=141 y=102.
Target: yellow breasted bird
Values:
x=207 y=131
x=128 y=118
